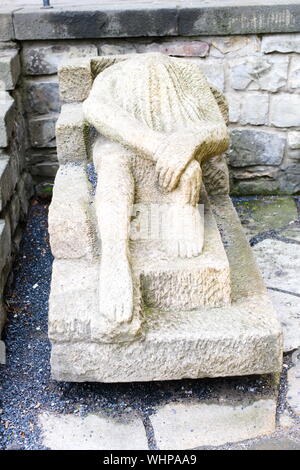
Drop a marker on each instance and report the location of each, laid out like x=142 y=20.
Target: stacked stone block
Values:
x=15 y=182
x=260 y=76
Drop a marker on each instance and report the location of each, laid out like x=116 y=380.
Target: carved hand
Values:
x=172 y=157
x=190 y=183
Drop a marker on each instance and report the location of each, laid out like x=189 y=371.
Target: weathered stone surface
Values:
x=251 y=172
x=288 y=309
x=13 y=211
x=8 y=178
x=42 y=130
x=254 y=73
x=177 y=48
x=71 y=130
x=233 y=46
x=2 y=345
x=213 y=69
x=279 y=263
x=234 y=333
x=234 y=102
x=118 y=47
x=44 y=59
x=290 y=176
x=45 y=169
x=284 y=110
x=7 y=29
x=294 y=74
x=281 y=43
x=75 y=80
x=71 y=236
x=254 y=109
x=255 y=186
x=6 y=117
x=293 y=392
x=92 y=432
x=9 y=68
x=25 y=191
x=136 y=20
x=294 y=140
x=5 y=242
x=186 y=426
x=42 y=96
x=255 y=147
x=233 y=18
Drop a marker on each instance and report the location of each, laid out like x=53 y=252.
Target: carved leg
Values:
x=186 y=225
x=114 y=199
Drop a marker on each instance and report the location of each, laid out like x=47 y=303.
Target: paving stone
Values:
x=281 y=43
x=254 y=73
x=279 y=263
x=293 y=378
x=288 y=309
x=186 y=426
x=92 y=432
x=9 y=68
x=286 y=421
x=263 y=214
x=284 y=110
x=255 y=147
x=44 y=59
x=275 y=444
x=292 y=232
x=42 y=96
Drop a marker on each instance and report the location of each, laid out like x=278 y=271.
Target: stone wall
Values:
x=15 y=181
x=260 y=75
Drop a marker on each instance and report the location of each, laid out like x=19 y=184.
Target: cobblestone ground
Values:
x=233 y=413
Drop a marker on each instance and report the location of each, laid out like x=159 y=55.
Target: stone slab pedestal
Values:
x=238 y=339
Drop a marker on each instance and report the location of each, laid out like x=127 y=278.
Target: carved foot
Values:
x=118 y=319
x=185 y=232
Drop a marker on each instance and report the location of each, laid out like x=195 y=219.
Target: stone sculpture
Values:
x=179 y=298
x=161 y=121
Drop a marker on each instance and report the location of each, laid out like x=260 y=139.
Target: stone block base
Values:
x=238 y=339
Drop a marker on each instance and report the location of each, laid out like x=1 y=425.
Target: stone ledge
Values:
x=136 y=19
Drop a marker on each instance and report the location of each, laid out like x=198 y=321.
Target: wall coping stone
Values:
x=151 y=19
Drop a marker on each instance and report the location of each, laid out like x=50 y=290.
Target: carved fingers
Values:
x=190 y=183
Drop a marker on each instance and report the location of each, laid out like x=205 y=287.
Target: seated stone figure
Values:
x=157 y=120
